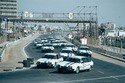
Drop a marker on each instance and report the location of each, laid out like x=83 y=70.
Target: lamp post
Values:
x=121 y=38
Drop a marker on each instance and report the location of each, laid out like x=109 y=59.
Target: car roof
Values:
x=66 y=48
x=79 y=57
x=51 y=54
x=70 y=44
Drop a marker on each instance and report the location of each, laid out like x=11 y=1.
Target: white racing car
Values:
x=84 y=49
x=75 y=64
x=47 y=47
x=66 y=52
x=71 y=46
x=49 y=60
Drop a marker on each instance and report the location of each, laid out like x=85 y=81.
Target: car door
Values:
x=85 y=62
x=59 y=58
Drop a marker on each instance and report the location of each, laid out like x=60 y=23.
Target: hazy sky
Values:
x=108 y=10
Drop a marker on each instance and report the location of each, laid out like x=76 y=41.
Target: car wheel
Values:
x=77 y=70
x=59 y=70
x=38 y=66
x=90 y=68
x=55 y=65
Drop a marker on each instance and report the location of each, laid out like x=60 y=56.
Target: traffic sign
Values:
x=26 y=14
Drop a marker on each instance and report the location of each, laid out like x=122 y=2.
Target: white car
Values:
x=75 y=64
x=36 y=41
x=66 y=53
x=56 y=44
x=84 y=49
x=39 y=45
x=71 y=46
x=47 y=47
x=49 y=60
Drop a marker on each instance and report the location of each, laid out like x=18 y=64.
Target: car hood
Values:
x=45 y=60
x=66 y=63
x=66 y=54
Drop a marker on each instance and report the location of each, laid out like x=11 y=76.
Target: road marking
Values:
x=114 y=77
x=101 y=78
x=101 y=72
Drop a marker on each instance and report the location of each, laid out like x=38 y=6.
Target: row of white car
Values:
x=67 y=59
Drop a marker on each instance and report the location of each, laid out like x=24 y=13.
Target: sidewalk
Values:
x=113 y=49
x=14 y=53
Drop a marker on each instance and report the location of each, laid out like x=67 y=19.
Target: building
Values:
x=8 y=8
x=115 y=33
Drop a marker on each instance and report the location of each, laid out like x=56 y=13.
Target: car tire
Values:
x=59 y=70
x=55 y=65
x=77 y=70
x=90 y=68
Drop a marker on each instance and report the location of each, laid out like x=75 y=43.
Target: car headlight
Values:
x=38 y=63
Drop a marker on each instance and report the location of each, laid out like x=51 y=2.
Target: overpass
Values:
x=83 y=15
x=55 y=17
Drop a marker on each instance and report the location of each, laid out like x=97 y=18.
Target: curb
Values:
x=23 y=50
x=1 y=58
x=116 y=58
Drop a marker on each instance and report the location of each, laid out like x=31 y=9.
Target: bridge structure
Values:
x=79 y=15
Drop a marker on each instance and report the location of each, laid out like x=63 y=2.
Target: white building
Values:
x=114 y=33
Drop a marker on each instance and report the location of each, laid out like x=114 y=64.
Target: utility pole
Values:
x=0 y=25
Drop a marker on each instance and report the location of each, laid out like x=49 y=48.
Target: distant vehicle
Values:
x=71 y=46
x=84 y=51
x=49 y=60
x=39 y=45
x=56 y=43
x=47 y=47
x=36 y=41
x=63 y=43
x=75 y=64
x=66 y=53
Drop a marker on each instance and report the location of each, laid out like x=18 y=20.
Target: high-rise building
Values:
x=8 y=8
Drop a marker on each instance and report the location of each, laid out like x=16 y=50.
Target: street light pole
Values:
x=121 y=44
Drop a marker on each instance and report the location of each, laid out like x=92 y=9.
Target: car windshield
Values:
x=76 y=60
x=49 y=57
x=66 y=51
x=69 y=46
x=83 y=48
x=47 y=45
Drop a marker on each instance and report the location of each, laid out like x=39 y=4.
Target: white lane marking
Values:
x=114 y=77
x=101 y=72
x=101 y=78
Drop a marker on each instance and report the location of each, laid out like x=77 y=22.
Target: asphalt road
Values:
x=103 y=72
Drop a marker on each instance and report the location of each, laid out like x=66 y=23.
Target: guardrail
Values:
x=117 y=56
